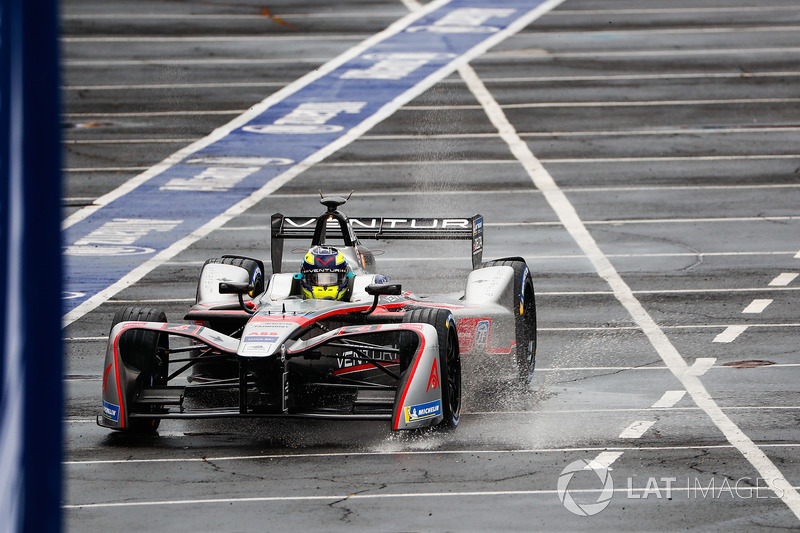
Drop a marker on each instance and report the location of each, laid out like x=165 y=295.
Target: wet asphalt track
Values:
x=672 y=130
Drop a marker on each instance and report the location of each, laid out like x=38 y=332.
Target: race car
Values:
x=336 y=341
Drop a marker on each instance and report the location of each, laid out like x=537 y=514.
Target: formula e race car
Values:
x=268 y=347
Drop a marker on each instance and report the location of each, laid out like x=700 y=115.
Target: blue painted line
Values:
x=111 y=242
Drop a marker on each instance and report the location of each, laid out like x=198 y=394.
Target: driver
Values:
x=324 y=274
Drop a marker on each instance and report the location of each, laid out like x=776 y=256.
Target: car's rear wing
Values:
x=353 y=229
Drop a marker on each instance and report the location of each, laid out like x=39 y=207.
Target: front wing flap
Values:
x=118 y=378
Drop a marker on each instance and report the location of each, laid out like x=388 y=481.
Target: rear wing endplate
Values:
x=352 y=229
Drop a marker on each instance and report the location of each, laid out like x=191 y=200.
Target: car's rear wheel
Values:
x=145 y=353
x=524 y=315
x=449 y=359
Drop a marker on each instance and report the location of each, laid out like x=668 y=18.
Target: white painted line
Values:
x=378 y=453
x=637 y=429
x=756 y=157
x=650 y=221
x=603 y=461
x=249 y=17
x=555 y=161
x=105 y=169
x=661 y=291
x=539 y=54
x=757 y=306
x=797 y=255
x=217 y=38
x=104 y=63
x=137 y=114
x=596 y=133
x=730 y=334
x=127 y=141
x=172 y=86
x=669 y=398
x=671 y=11
x=783 y=279
x=543 y=181
x=634 y=77
x=701 y=366
x=611 y=103
x=153 y=300
x=648 y=490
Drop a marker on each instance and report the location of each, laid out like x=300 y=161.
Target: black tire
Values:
x=525 y=315
x=449 y=359
x=144 y=352
x=254 y=269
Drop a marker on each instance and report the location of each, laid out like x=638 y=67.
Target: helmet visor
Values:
x=325 y=279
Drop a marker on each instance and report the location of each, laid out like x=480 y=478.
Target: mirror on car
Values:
x=383 y=289
x=234 y=287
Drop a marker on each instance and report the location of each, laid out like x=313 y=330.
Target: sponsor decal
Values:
x=262 y=337
x=356 y=365
x=482 y=333
x=394 y=66
x=212 y=179
x=184 y=328
x=464 y=20
x=241 y=161
x=473 y=332
x=117 y=237
x=309 y=117
x=359 y=329
x=111 y=411
x=433 y=381
x=423 y=411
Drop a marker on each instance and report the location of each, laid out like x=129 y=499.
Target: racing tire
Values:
x=449 y=359
x=524 y=316
x=146 y=352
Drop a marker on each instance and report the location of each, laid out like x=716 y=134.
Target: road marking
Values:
x=603 y=461
x=611 y=103
x=596 y=133
x=650 y=221
x=217 y=38
x=104 y=63
x=797 y=256
x=605 y=269
x=668 y=11
x=784 y=279
x=636 y=429
x=730 y=333
x=669 y=398
x=379 y=453
x=171 y=86
x=634 y=77
x=757 y=306
x=555 y=161
x=138 y=114
x=540 y=54
x=127 y=141
x=701 y=366
x=248 y=17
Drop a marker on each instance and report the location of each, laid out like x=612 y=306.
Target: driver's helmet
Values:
x=324 y=274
